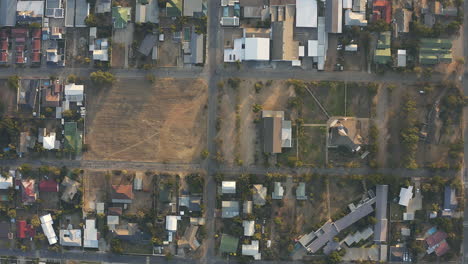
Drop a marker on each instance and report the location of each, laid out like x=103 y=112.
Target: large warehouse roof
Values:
x=257 y=49
x=306 y=13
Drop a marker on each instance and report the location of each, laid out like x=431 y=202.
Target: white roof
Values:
x=70 y=238
x=140 y=13
x=73 y=89
x=99 y=209
x=301 y=51
x=257 y=49
x=171 y=223
x=286 y=134
x=48 y=229
x=347 y=4
x=90 y=234
x=351 y=47
x=5 y=182
x=228 y=187
x=355 y=18
x=93 y=32
x=252 y=250
x=112 y=220
x=306 y=13
x=405 y=195
x=249 y=227
x=312 y=48
x=401 y=58
x=101 y=55
x=49 y=141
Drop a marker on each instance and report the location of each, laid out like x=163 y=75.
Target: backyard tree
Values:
x=35 y=221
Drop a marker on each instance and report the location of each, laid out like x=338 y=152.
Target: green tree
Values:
x=116 y=246
x=35 y=221
x=334 y=257
x=91 y=20
x=102 y=78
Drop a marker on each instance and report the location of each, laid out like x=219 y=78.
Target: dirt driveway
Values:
x=138 y=121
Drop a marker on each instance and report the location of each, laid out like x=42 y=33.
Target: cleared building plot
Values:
x=135 y=120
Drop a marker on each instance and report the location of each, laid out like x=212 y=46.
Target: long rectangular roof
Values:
x=272 y=134
x=7 y=13
x=334 y=16
x=355 y=215
x=306 y=13
x=380 y=228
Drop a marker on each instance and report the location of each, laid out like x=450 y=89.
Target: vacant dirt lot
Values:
x=95 y=189
x=7 y=99
x=138 y=121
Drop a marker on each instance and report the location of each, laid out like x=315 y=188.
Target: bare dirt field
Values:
x=138 y=121
x=118 y=55
x=168 y=51
x=95 y=189
x=343 y=192
x=238 y=133
x=7 y=99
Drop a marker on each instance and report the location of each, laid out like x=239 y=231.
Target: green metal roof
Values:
x=428 y=59
x=436 y=43
x=229 y=244
x=382 y=56
x=120 y=16
x=174 y=8
x=433 y=51
x=384 y=40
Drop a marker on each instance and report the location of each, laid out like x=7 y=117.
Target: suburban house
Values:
x=259 y=194
x=228 y=187
x=229 y=209
x=48 y=229
x=252 y=250
x=249 y=227
x=6 y=182
x=383 y=53
x=28 y=191
x=52 y=95
x=48 y=139
x=24 y=230
x=347 y=132
x=435 y=50
x=70 y=237
x=171 y=225
x=228 y=244
x=437 y=244
x=74 y=93
x=90 y=234
x=121 y=16
x=381 y=227
x=301 y=191
x=382 y=10
x=324 y=236
x=71 y=188
x=278 y=191
x=406 y=194
x=192 y=203
x=48 y=186
x=122 y=193
x=450 y=201
x=277 y=132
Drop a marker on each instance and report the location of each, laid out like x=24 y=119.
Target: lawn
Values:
x=137 y=248
x=312 y=146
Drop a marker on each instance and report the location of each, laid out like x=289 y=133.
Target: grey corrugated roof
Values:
x=7 y=13
x=333 y=15
x=355 y=215
x=272 y=134
x=192 y=6
x=70 y=13
x=450 y=199
x=81 y=12
x=197 y=48
x=380 y=229
x=147 y=44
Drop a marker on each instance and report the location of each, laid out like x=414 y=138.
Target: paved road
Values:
x=214 y=70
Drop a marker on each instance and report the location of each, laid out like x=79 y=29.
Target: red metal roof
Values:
x=3 y=57
x=19 y=59
x=122 y=192
x=36 y=57
x=48 y=186
x=36 y=44
x=24 y=230
x=442 y=248
x=19 y=31
x=382 y=9
x=3 y=45
x=19 y=48
x=36 y=33
x=436 y=238
x=29 y=191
